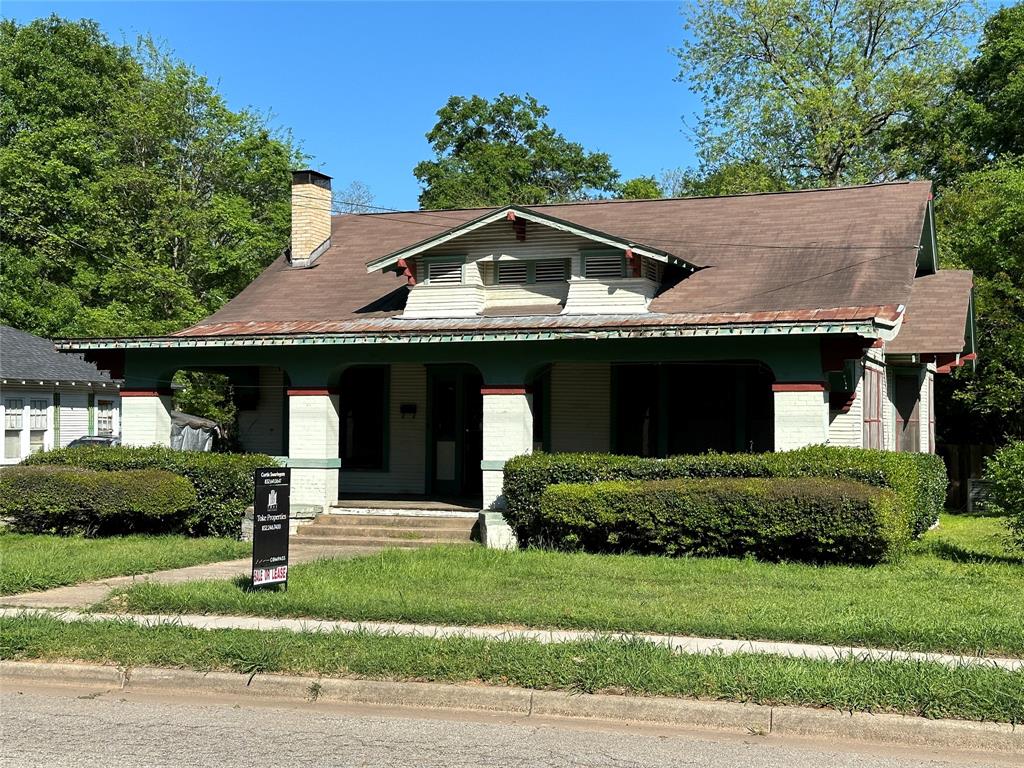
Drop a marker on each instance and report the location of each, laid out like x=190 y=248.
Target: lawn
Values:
x=960 y=591
x=29 y=562
x=931 y=690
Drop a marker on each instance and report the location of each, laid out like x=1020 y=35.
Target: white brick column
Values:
x=801 y=414
x=508 y=432
x=313 y=434
x=145 y=417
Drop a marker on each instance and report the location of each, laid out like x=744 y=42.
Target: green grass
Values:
x=931 y=690
x=29 y=562
x=960 y=591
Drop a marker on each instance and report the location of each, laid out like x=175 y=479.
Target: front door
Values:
x=455 y=435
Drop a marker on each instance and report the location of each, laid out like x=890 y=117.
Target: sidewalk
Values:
x=91 y=592
x=679 y=643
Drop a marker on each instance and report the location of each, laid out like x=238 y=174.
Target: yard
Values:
x=961 y=590
x=31 y=562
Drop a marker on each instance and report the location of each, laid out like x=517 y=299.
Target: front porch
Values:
x=436 y=422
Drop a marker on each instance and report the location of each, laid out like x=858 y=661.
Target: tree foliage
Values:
x=811 y=89
x=641 y=188
x=503 y=151
x=134 y=201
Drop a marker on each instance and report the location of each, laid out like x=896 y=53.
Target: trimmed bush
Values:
x=68 y=500
x=222 y=481
x=1005 y=471
x=805 y=519
x=918 y=479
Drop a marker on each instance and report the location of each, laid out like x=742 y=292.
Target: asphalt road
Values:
x=65 y=727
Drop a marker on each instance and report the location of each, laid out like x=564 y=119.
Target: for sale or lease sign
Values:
x=271 y=515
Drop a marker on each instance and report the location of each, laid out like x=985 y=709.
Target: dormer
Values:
x=518 y=261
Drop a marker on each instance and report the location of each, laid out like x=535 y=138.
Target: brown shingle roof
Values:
x=795 y=252
x=936 y=315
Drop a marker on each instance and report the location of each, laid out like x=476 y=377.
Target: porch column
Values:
x=313 y=434
x=145 y=417
x=801 y=414
x=508 y=432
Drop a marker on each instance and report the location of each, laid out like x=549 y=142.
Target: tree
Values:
x=502 y=151
x=811 y=89
x=640 y=188
x=733 y=178
x=134 y=201
x=355 y=198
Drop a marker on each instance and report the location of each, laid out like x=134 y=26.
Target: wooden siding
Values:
x=580 y=407
x=406 y=441
x=445 y=301
x=74 y=415
x=848 y=428
x=608 y=297
x=261 y=430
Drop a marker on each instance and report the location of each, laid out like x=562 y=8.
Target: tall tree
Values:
x=810 y=88
x=133 y=200
x=640 y=188
x=502 y=151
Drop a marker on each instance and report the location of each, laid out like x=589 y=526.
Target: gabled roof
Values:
x=513 y=212
x=837 y=250
x=938 y=317
x=24 y=357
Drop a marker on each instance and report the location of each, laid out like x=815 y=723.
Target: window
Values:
x=872 y=407
x=512 y=272
x=364 y=417
x=105 y=417
x=551 y=271
x=37 y=424
x=14 y=419
x=444 y=273
x=604 y=266
x=652 y=270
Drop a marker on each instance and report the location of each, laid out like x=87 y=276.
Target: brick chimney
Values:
x=311 y=216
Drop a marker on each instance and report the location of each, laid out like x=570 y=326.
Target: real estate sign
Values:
x=271 y=515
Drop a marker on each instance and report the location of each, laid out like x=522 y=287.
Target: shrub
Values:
x=918 y=479
x=72 y=500
x=806 y=519
x=222 y=481
x=1005 y=471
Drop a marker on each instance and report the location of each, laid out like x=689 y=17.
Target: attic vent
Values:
x=511 y=272
x=553 y=271
x=604 y=267
x=652 y=270
x=444 y=273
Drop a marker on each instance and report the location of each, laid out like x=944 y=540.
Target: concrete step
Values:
x=318 y=531
x=397 y=521
x=365 y=541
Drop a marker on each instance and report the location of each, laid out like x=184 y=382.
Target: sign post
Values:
x=271 y=515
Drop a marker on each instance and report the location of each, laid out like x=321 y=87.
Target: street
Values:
x=72 y=727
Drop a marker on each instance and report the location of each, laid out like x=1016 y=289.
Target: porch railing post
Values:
x=801 y=414
x=508 y=432
x=145 y=416
x=313 y=437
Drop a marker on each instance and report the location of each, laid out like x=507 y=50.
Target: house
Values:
x=413 y=353
x=48 y=399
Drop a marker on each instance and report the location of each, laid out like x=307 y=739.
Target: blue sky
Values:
x=359 y=83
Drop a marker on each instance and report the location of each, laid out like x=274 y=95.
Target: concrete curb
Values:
x=677 y=643
x=690 y=713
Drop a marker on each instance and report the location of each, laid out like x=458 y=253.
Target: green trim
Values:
x=92 y=414
x=492 y=464
x=288 y=461
x=56 y=419
x=868 y=329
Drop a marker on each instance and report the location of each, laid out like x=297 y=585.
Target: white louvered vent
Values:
x=653 y=270
x=444 y=273
x=604 y=267
x=511 y=272
x=550 y=271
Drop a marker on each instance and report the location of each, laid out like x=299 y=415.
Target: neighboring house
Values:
x=48 y=399
x=413 y=353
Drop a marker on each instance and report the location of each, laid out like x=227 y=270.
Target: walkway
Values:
x=92 y=592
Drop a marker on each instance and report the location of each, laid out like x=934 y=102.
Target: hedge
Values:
x=805 y=519
x=68 y=500
x=1005 y=471
x=918 y=479
x=222 y=481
